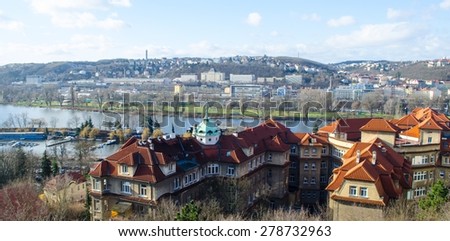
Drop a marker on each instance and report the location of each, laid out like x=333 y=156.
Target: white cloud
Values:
x=396 y=14
x=80 y=13
x=121 y=3
x=9 y=24
x=77 y=47
x=445 y=4
x=274 y=33
x=313 y=17
x=373 y=35
x=53 y=6
x=342 y=21
x=254 y=19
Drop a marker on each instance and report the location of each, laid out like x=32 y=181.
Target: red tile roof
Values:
x=358 y=165
x=380 y=125
x=349 y=126
x=146 y=157
x=406 y=122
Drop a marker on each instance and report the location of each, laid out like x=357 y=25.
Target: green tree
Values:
x=150 y=125
x=46 y=166
x=190 y=212
x=86 y=215
x=55 y=167
x=21 y=168
x=436 y=197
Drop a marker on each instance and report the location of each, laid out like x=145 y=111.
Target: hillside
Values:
x=260 y=66
x=421 y=71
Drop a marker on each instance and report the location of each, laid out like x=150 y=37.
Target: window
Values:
x=432 y=159
x=306 y=151
x=124 y=169
x=176 y=183
x=313 y=166
x=269 y=157
x=306 y=166
x=190 y=178
x=293 y=165
x=313 y=180
x=97 y=205
x=446 y=160
x=323 y=164
x=171 y=167
x=363 y=192
x=292 y=178
x=314 y=151
x=213 y=169
x=125 y=187
x=430 y=175
x=293 y=149
x=324 y=150
x=106 y=185
x=430 y=139
x=323 y=179
x=442 y=174
x=418 y=176
x=269 y=173
x=143 y=190
x=420 y=191
x=352 y=191
x=305 y=180
x=96 y=185
x=230 y=171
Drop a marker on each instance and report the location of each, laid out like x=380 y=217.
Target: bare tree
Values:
x=391 y=106
x=60 y=99
x=20 y=202
x=53 y=122
x=372 y=101
x=49 y=94
x=419 y=99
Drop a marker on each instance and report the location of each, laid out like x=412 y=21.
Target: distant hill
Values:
x=260 y=66
x=420 y=70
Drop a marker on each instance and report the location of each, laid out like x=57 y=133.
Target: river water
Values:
x=10 y=116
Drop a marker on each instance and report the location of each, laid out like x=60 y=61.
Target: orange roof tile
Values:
x=359 y=200
x=380 y=125
x=406 y=122
x=378 y=163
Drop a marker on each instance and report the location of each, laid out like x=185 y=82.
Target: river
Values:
x=63 y=118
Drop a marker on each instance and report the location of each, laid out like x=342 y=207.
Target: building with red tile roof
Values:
x=70 y=187
x=311 y=166
x=372 y=174
x=379 y=128
x=141 y=173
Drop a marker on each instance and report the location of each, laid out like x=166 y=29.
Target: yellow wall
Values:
x=387 y=137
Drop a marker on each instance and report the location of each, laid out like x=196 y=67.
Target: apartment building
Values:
x=66 y=188
x=249 y=166
x=372 y=175
x=310 y=169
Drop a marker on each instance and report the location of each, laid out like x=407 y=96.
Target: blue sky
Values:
x=325 y=31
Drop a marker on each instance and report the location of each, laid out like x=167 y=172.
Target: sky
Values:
x=41 y=31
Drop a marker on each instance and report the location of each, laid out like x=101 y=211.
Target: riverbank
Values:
x=216 y=113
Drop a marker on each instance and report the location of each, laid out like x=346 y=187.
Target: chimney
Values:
x=358 y=156
x=374 y=157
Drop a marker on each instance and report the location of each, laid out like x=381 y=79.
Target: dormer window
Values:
x=124 y=169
